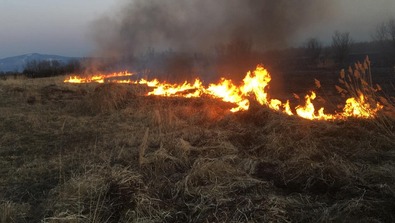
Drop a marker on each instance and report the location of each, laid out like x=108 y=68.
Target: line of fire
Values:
x=362 y=104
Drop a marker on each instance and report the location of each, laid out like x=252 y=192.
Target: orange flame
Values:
x=308 y=110
x=228 y=92
x=175 y=89
x=254 y=85
x=100 y=78
x=360 y=108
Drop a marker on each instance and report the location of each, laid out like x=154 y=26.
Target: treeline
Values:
x=48 y=68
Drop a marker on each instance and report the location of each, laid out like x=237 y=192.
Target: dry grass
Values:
x=358 y=81
x=104 y=153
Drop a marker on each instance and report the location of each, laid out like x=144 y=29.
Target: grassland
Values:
x=105 y=153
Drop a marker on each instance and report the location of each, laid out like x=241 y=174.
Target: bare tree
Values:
x=313 y=50
x=385 y=36
x=385 y=31
x=341 y=46
x=381 y=33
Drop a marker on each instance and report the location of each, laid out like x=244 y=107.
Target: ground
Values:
x=107 y=153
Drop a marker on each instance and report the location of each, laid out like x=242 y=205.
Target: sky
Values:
x=64 y=27
x=358 y=17
x=49 y=26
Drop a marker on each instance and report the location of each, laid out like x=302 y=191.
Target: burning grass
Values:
x=362 y=102
x=107 y=153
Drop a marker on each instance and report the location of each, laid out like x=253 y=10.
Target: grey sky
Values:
x=359 y=17
x=48 y=26
x=63 y=27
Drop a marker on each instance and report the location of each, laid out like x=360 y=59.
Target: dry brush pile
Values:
x=104 y=153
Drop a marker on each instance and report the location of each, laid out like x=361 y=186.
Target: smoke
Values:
x=200 y=25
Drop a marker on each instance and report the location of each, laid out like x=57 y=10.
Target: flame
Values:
x=360 y=108
x=100 y=78
x=152 y=83
x=229 y=92
x=175 y=89
x=308 y=110
x=254 y=86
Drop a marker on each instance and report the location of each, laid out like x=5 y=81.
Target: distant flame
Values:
x=163 y=89
x=254 y=84
x=100 y=78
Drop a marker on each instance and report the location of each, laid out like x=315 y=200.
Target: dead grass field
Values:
x=105 y=153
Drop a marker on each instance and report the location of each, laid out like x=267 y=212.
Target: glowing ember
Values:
x=254 y=85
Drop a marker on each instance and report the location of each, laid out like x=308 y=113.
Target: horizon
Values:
x=65 y=28
x=96 y=56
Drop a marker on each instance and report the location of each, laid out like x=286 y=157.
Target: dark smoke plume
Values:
x=229 y=29
x=199 y=25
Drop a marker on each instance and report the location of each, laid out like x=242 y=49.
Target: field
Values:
x=107 y=153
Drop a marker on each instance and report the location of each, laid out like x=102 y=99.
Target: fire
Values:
x=100 y=78
x=308 y=110
x=254 y=86
x=360 y=108
x=195 y=89
x=229 y=92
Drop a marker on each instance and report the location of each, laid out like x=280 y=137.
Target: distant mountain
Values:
x=17 y=63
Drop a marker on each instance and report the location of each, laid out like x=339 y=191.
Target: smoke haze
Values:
x=200 y=25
